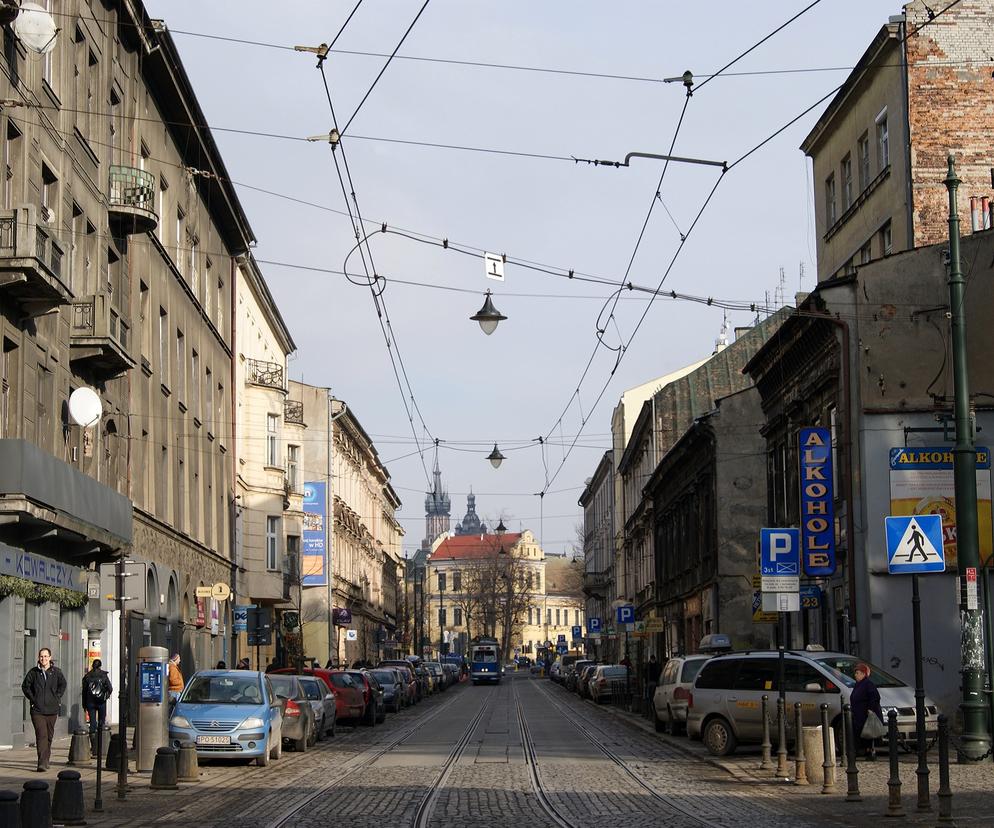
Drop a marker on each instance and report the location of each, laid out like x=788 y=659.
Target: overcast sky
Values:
x=512 y=387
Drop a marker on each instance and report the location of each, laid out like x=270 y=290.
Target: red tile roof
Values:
x=464 y=547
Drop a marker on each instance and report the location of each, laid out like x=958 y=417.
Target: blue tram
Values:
x=484 y=661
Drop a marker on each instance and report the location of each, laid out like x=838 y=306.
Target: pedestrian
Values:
x=175 y=682
x=96 y=690
x=865 y=702
x=43 y=687
x=243 y=664
x=653 y=671
x=221 y=665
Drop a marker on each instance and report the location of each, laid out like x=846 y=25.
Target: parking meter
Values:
x=153 y=704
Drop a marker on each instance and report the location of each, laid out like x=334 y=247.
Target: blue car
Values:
x=230 y=714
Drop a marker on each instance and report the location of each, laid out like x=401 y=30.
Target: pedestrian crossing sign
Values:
x=914 y=544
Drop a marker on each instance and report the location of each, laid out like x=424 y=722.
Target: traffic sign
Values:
x=914 y=544
x=561 y=638
x=654 y=625
x=780 y=559
x=593 y=625
x=759 y=615
x=626 y=614
x=577 y=633
x=494 y=266
x=562 y=649
x=351 y=635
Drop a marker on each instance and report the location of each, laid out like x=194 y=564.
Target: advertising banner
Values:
x=313 y=553
x=150 y=682
x=817 y=502
x=921 y=483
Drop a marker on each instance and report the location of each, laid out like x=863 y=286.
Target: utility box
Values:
x=153 y=704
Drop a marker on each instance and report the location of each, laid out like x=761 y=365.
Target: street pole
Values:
x=122 y=706
x=922 y=770
x=974 y=743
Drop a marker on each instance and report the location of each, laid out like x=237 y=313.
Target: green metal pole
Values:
x=975 y=742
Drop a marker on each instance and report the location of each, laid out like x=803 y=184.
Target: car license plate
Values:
x=213 y=740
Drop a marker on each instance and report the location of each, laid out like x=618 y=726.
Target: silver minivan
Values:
x=725 y=708
x=673 y=691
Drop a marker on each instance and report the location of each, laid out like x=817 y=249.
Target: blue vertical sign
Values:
x=817 y=502
x=313 y=557
x=150 y=682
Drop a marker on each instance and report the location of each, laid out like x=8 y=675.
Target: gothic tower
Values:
x=437 y=510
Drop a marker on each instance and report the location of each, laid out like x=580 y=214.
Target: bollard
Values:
x=781 y=738
x=115 y=750
x=9 y=816
x=79 y=748
x=767 y=762
x=894 y=808
x=945 y=794
x=800 y=763
x=164 y=770
x=852 y=772
x=67 y=801
x=99 y=742
x=36 y=805
x=187 y=766
x=827 y=765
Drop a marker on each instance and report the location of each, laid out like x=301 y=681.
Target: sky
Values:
x=557 y=366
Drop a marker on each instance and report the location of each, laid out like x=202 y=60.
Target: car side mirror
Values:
x=813 y=687
x=330 y=696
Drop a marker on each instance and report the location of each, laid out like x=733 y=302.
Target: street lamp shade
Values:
x=501 y=528
x=488 y=316
x=495 y=457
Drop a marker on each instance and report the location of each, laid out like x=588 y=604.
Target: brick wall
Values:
x=951 y=110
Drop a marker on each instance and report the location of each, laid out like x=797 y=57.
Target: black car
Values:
x=393 y=688
x=299 y=727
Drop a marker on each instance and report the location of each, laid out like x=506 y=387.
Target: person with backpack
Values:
x=96 y=690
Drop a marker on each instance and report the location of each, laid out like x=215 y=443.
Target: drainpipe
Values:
x=232 y=535
x=909 y=192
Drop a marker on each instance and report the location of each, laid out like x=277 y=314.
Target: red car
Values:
x=350 y=700
x=372 y=695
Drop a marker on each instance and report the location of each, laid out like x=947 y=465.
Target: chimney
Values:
x=976 y=222
x=985 y=212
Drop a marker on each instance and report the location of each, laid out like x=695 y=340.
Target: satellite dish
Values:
x=85 y=407
x=35 y=28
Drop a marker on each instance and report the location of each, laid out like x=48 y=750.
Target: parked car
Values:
x=556 y=670
x=322 y=701
x=583 y=679
x=602 y=679
x=230 y=714
x=573 y=673
x=349 y=700
x=393 y=685
x=372 y=695
x=299 y=726
x=524 y=661
x=673 y=691
x=425 y=681
x=437 y=675
x=451 y=672
x=725 y=708
x=411 y=682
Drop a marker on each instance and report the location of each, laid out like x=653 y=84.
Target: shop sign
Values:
x=40 y=570
x=201 y=613
x=817 y=502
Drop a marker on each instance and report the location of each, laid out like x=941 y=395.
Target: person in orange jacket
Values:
x=175 y=682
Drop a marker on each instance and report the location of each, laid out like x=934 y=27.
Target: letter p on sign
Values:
x=781 y=543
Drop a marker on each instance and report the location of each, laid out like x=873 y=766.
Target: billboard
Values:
x=817 y=502
x=313 y=552
x=921 y=483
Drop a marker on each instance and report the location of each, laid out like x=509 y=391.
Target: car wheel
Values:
x=263 y=760
x=314 y=735
x=659 y=723
x=334 y=724
x=300 y=745
x=671 y=725
x=383 y=716
x=319 y=731
x=719 y=738
x=370 y=716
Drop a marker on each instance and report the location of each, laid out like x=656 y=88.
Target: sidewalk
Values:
x=972 y=785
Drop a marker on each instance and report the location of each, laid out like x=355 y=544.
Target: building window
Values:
x=865 y=253
x=830 y=201
x=293 y=468
x=180 y=365
x=457 y=616
x=195 y=383
x=272 y=440
x=441 y=582
x=48 y=70
x=12 y=160
x=846 y=176
x=163 y=186
x=209 y=401
x=208 y=286
x=441 y=616
x=456 y=581
x=886 y=240
x=576 y=618
x=530 y=616
x=548 y=617
x=293 y=558
x=883 y=141
x=272 y=542
x=164 y=346
x=863 y=156
x=833 y=424
x=180 y=216
x=192 y=245
x=8 y=362
x=557 y=617
x=49 y=194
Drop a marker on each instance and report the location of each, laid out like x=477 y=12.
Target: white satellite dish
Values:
x=85 y=407
x=36 y=28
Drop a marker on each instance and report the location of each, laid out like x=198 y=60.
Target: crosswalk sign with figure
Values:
x=914 y=544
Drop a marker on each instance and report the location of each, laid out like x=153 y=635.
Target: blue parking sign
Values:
x=594 y=625
x=780 y=559
x=626 y=614
x=577 y=633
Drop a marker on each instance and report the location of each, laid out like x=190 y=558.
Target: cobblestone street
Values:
x=524 y=752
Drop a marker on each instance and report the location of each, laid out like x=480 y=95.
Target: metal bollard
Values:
x=164 y=770
x=800 y=763
x=894 y=808
x=79 y=748
x=852 y=772
x=187 y=766
x=9 y=816
x=116 y=749
x=944 y=793
x=767 y=762
x=827 y=765
x=67 y=801
x=36 y=805
x=781 y=738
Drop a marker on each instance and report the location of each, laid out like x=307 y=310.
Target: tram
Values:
x=484 y=663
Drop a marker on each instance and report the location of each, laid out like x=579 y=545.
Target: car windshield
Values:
x=691 y=669
x=385 y=677
x=223 y=689
x=284 y=686
x=614 y=672
x=485 y=655
x=843 y=667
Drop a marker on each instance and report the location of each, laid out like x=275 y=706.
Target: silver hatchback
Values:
x=725 y=708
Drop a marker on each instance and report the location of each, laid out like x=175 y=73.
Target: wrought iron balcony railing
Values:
x=269 y=374
x=293 y=412
x=99 y=335
x=31 y=258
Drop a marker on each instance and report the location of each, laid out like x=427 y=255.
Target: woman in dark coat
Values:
x=865 y=698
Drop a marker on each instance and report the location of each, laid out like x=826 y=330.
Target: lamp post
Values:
x=974 y=743
x=441 y=617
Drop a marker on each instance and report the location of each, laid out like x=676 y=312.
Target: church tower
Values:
x=471 y=524
x=437 y=510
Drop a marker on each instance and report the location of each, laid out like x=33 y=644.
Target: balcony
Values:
x=31 y=262
x=99 y=336
x=131 y=199
x=293 y=412
x=269 y=374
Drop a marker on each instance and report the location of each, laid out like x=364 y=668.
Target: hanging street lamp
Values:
x=495 y=457
x=489 y=317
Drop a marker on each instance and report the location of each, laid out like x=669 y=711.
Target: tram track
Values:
x=585 y=726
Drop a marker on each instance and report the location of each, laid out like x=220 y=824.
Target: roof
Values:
x=563 y=576
x=468 y=547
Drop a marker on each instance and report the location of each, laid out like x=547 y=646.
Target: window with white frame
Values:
x=883 y=140
x=293 y=468
x=886 y=240
x=863 y=159
x=272 y=542
x=846 y=176
x=163 y=346
x=830 y=214
x=272 y=439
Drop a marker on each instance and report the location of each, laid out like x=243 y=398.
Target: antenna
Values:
x=36 y=28
x=85 y=407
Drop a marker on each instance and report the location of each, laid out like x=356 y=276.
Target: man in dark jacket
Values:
x=96 y=690
x=44 y=686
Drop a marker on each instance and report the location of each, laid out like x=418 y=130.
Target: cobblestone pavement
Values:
x=522 y=753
